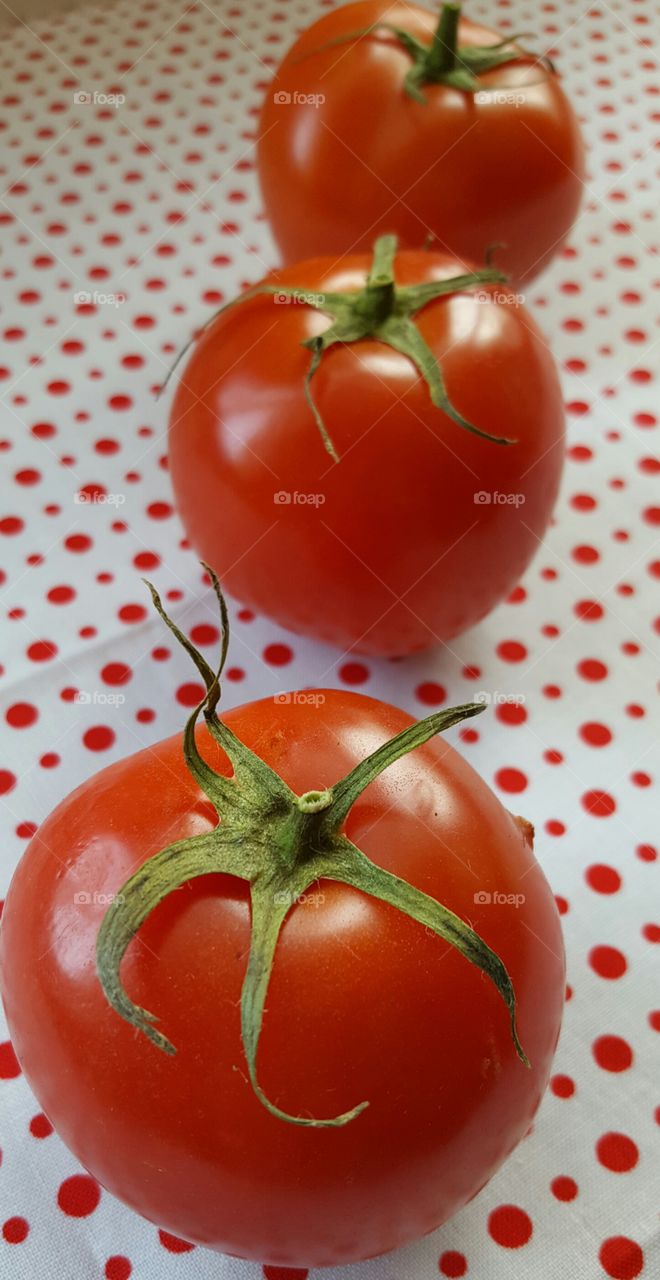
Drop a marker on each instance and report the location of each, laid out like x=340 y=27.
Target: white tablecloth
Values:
x=156 y=199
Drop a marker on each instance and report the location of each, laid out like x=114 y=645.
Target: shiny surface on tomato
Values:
x=363 y=1003
x=420 y=528
x=505 y=165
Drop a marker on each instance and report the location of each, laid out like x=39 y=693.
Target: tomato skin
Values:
x=394 y=553
x=369 y=159
x=363 y=1003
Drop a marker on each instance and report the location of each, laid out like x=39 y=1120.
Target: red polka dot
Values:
x=132 y=613
x=452 y=1264
x=588 y=610
x=43 y=430
x=99 y=737
x=21 y=715
x=7 y=781
x=15 y=1230
x=78 y=542
x=173 y=1244
x=510 y=1226
x=511 y=712
x=621 y=1258
x=595 y=734
x=61 y=595
x=11 y=525
x=278 y=655
x=353 y=673
x=608 y=962
x=42 y=651
x=511 y=780
x=78 y=1196
x=602 y=879
x=562 y=1086
x=118 y=1268
x=9 y=1065
x=612 y=1053
x=617 y=1152
x=431 y=693
x=204 y=634
x=511 y=651
x=40 y=1126
x=285 y=1273
x=592 y=669
x=145 y=560
x=160 y=510
x=92 y=492
x=564 y=1188
x=583 y=502
x=116 y=673
x=600 y=804
x=585 y=554
x=190 y=695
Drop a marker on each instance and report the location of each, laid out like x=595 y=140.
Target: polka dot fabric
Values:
x=124 y=222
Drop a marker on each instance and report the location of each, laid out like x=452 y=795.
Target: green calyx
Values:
x=381 y=310
x=281 y=844
x=444 y=61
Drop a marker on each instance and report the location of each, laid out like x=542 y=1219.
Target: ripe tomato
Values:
x=364 y=843
x=346 y=152
x=421 y=527
x=364 y=1003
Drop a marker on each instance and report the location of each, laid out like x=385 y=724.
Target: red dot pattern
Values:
x=157 y=200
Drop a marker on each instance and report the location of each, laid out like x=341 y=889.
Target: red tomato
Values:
x=421 y=527
x=364 y=1004
x=345 y=153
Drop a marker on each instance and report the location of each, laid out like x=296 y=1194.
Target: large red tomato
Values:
x=348 y=150
x=365 y=1003
x=422 y=526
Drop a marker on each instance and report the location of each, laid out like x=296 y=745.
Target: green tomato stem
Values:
x=380 y=310
x=443 y=53
x=280 y=844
